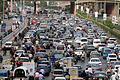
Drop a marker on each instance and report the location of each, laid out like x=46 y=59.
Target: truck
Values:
x=73 y=71
x=30 y=66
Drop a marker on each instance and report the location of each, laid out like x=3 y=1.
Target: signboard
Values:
x=114 y=19
x=77 y=6
x=87 y=10
x=81 y=8
x=30 y=66
x=104 y=16
x=73 y=71
x=3 y=27
x=96 y=14
x=13 y=27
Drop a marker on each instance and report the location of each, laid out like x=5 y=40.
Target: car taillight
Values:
x=110 y=66
x=46 y=70
x=100 y=69
x=19 y=62
x=53 y=76
x=62 y=75
x=105 y=79
x=94 y=78
x=100 y=64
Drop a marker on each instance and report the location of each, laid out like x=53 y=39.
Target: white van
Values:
x=20 y=72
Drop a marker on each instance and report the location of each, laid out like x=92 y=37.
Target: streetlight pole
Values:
x=2 y=22
x=3 y=9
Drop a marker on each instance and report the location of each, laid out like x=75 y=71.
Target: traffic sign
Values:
x=3 y=27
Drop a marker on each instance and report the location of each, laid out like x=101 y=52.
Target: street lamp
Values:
x=3 y=10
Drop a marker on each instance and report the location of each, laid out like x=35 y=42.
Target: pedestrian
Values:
x=1 y=58
x=12 y=52
x=42 y=71
x=113 y=77
x=83 y=74
x=37 y=75
x=90 y=70
x=41 y=77
x=4 y=51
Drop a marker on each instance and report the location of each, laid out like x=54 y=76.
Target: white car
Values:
x=60 y=78
x=83 y=40
x=8 y=44
x=117 y=46
x=19 y=52
x=96 y=42
x=111 y=57
x=113 y=39
x=110 y=44
x=95 y=61
x=101 y=46
x=118 y=73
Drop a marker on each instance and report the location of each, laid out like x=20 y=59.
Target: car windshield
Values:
x=117 y=63
x=24 y=59
x=58 y=72
x=95 y=60
x=107 y=50
x=100 y=75
x=19 y=51
x=60 y=47
x=95 y=65
x=8 y=44
x=112 y=55
x=84 y=40
x=113 y=60
x=97 y=42
x=42 y=66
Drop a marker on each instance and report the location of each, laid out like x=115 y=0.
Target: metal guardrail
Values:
x=8 y=37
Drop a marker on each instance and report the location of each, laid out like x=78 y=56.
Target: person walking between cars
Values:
x=1 y=58
x=90 y=70
x=42 y=71
x=41 y=77
x=113 y=77
x=37 y=75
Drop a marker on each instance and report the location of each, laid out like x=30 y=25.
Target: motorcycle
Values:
x=82 y=57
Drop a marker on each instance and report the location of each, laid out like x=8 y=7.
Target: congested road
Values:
x=54 y=45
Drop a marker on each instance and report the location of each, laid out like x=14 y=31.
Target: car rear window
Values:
x=58 y=72
x=23 y=59
x=100 y=75
x=112 y=55
x=94 y=60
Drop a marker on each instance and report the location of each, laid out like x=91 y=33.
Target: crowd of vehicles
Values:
x=61 y=45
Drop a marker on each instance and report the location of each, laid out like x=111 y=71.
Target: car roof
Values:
x=60 y=78
x=9 y=42
x=58 y=70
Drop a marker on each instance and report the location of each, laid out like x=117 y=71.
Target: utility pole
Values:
x=11 y=2
x=34 y=6
x=3 y=9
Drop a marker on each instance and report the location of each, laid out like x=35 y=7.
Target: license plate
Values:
x=100 y=79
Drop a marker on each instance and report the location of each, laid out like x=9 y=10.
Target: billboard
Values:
x=3 y=27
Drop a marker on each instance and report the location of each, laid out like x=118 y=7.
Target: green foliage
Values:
x=107 y=25
x=1 y=6
x=53 y=7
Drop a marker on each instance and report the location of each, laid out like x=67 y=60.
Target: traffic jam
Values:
x=61 y=47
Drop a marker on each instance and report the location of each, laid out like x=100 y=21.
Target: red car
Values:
x=23 y=59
